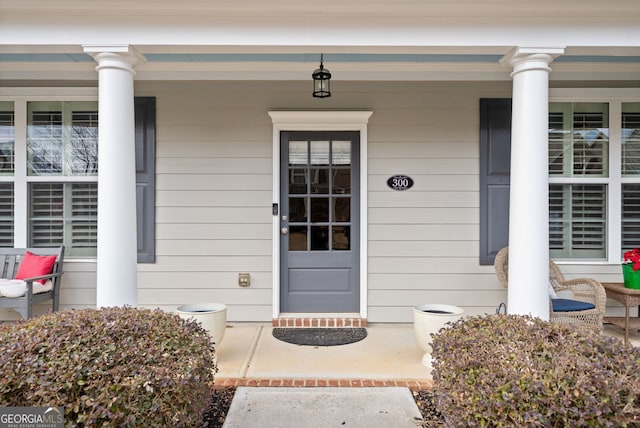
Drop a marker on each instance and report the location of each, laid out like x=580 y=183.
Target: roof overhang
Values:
x=283 y=39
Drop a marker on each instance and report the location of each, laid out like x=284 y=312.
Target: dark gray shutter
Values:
x=145 y=117
x=495 y=160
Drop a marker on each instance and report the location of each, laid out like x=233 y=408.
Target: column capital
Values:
x=528 y=58
x=122 y=57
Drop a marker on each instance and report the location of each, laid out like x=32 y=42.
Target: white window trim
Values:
x=321 y=121
x=614 y=97
x=20 y=97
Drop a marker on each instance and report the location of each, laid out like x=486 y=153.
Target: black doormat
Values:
x=320 y=336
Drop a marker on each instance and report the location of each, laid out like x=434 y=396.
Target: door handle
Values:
x=284 y=230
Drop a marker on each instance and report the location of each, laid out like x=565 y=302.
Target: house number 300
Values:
x=400 y=182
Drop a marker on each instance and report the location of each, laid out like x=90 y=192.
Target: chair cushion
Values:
x=552 y=290
x=17 y=288
x=33 y=265
x=568 y=305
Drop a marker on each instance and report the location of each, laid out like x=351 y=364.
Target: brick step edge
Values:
x=412 y=384
x=319 y=322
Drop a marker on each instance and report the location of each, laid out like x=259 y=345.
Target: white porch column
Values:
x=117 y=245
x=529 y=194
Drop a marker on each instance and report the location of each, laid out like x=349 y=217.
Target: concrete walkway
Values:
x=389 y=352
x=323 y=408
x=249 y=355
x=250 y=358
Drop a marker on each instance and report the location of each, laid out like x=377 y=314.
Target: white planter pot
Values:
x=212 y=317
x=428 y=319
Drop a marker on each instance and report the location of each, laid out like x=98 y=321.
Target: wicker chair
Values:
x=582 y=289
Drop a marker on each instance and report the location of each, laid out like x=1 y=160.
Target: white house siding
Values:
x=424 y=242
x=213 y=195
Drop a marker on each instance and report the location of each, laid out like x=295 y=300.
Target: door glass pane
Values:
x=341 y=238
x=578 y=139
x=319 y=153
x=298 y=181
x=341 y=153
x=320 y=181
x=298 y=238
x=298 y=152
x=319 y=168
x=319 y=238
x=297 y=209
x=342 y=181
x=7 y=137
x=630 y=139
x=341 y=209
x=319 y=210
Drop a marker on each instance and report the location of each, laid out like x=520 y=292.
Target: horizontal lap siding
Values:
x=423 y=242
x=213 y=214
x=214 y=193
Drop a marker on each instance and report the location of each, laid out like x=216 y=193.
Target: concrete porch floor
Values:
x=388 y=356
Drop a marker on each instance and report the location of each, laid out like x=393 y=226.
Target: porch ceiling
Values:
x=69 y=64
x=282 y=39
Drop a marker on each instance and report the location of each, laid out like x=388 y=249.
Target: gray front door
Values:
x=320 y=221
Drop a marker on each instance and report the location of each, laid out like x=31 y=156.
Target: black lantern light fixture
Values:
x=321 y=82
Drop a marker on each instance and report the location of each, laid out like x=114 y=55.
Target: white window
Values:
x=49 y=174
x=594 y=178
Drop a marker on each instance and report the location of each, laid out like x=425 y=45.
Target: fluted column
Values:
x=529 y=192
x=117 y=245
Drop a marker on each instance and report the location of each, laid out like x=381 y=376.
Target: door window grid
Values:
x=319 y=220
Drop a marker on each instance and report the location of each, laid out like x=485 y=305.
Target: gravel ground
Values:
x=222 y=400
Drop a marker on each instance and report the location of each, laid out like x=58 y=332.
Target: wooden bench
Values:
x=10 y=261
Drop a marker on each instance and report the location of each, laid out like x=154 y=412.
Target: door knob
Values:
x=284 y=230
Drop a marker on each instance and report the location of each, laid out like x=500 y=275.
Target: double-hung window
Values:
x=49 y=174
x=579 y=178
x=594 y=179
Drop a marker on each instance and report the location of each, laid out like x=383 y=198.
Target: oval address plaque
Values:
x=400 y=182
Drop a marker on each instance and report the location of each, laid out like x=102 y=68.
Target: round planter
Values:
x=430 y=318
x=631 y=277
x=212 y=317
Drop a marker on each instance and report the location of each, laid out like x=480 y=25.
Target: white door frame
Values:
x=320 y=121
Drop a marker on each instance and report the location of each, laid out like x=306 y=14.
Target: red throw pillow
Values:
x=33 y=265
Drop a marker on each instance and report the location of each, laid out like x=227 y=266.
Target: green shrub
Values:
x=508 y=370
x=109 y=367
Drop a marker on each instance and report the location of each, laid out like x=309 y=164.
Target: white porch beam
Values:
x=529 y=192
x=117 y=247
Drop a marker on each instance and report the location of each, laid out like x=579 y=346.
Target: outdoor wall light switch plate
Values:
x=244 y=279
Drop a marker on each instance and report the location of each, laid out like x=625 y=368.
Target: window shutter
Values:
x=84 y=215
x=495 y=162
x=630 y=216
x=6 y=214
x=145 y=124
x=46 y=217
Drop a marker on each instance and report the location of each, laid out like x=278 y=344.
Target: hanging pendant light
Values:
x=321 y=82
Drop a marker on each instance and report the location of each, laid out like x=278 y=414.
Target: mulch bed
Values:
x=222 y=400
